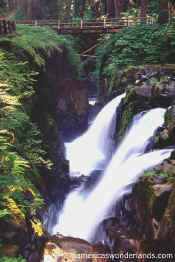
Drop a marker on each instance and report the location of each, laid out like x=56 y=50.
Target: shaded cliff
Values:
x=34 y=172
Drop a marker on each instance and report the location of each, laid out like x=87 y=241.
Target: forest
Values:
x=45 y=81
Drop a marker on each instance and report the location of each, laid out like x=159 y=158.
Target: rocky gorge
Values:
x=144 y=218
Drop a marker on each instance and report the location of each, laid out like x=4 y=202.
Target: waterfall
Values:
x=92 y=150
x=81 y=215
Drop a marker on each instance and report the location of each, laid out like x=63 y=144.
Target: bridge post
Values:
x=81 y=25
x=127 y=21
x=59 y=25
x=104 y=22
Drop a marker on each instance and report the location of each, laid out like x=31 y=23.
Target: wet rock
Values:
x=145 y=217
x=72 y=125
x=34 y=257
x=167 y=223
x=144 y=91
x=170 y=120
x=60 y=248
x=101 y=253
x=26 y=253
x=72 y=109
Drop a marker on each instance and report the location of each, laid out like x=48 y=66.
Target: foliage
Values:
x=127 y=116
x=136 y=45
x=156 y=139
x=33 y=39
x=8 y=259
x=153 y=7
x=3 y=4
x=20 y=139
x=167 y=176
x=22 y=152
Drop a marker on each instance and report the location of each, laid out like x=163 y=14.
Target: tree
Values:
x=29 y=9
x=117 y=8
x=171 y=9
x=110 y=8
x=144 y=4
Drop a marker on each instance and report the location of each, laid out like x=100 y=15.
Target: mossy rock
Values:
x=165 y=135
x=168 y=222
x=170 y=119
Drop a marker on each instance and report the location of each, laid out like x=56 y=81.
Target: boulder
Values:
x=61 y=248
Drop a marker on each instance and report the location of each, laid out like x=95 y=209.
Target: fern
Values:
x=8 y=259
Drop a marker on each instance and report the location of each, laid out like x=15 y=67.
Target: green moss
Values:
x=127 y=116
x=170 y=120
x=169 y=217
x=127 y=113
x=145 y=193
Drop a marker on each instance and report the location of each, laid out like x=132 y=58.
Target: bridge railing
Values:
x=89 y=24
x=106 y=22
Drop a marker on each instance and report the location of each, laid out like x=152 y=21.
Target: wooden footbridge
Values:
x=78 y=26
x=89 y=26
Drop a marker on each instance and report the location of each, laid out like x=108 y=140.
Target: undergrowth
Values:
x=22 y=153
x=133 y=46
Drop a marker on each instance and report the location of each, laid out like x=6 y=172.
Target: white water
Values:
x=92 y=150
x=81 y=216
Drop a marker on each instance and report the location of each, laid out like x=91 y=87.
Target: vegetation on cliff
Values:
x=133 y=46
x=23 y=157
x=121 y=60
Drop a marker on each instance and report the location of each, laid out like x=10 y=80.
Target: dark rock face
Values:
x=146 y=88
x=72 y=109
x=149 y=75
x=18 y=240
x=144 y=219
x=53 y=183
x=141 y=224
x=165 y=135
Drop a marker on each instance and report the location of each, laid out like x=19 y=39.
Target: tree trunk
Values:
x=117 y=8
x=122 y=5
x=110 y=8
x=97 y=7
x=163 y=5
x=82 y=7
x=104 y=6
x=60 y=8
x=76 y=8
x=68 y=8
x=29 y=9
x=170 y=12
x=144 y=4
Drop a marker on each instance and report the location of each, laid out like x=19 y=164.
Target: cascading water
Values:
x=81 y=215
x=93 y=150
